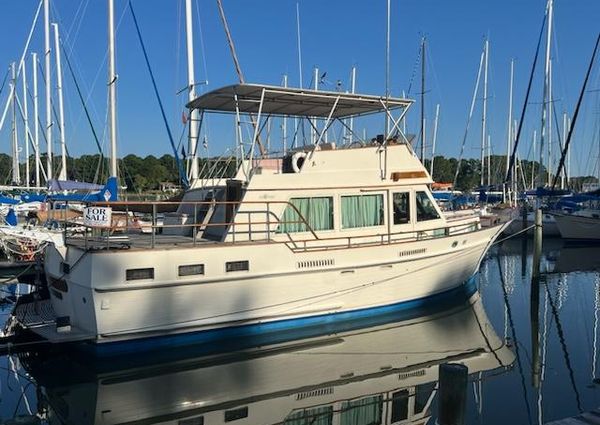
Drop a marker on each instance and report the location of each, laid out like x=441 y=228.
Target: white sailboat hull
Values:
x=549 y=227
x=578 y=227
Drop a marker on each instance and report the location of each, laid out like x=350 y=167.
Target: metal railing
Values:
x=242 y=227
x=260 y=224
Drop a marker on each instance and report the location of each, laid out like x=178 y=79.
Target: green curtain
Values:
x=366 y=411
x=362 y=211
x=317 y=416
x=318 y=212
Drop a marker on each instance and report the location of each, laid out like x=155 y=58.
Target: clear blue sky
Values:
x=335 y=35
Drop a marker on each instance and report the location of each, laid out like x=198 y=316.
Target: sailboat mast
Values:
x=16 y=178
x=549 y=115
x=284 y=121
x=26 y=126
x=61 y=111
x=36 y=132
x=489 y=159
x=352 y=89
x=510 y=113
x=435 y=130
x=194 y=115
x=562 y=176
x=484 y=116
x=423 y=99
x=112 y=80
x=533 y=162
x=47 y=71
x=313 y=132
x=568 y=154
x=549 y=13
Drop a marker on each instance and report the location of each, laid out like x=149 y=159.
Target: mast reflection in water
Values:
x=383 y=374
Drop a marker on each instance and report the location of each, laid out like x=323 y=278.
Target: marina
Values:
x=322 y=251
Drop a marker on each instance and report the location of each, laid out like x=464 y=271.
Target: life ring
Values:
x=298 y=161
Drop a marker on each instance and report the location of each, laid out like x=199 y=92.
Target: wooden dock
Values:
x=587 y=418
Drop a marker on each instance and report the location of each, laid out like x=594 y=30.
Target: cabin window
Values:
x=234 y=415
x=423 y=393
x=362 y=211
x=139 y=274
x=399 y=406
x=401 y=208
x=191 y=270
x=317 y=212
x=237 y=266
x=318 y=416
x=364 y=411
x=425 y=208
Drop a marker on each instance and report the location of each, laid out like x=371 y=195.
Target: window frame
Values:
x=333 y=228
x=433 y=203
x=411 y=203
x=384 y=214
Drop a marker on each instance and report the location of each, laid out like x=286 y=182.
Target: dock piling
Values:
x=452 y=394
x=537 y=245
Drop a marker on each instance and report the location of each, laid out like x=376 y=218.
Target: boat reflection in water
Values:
x=577 y=258
x=383 y=374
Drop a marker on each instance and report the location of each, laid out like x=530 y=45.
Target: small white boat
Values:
x=321 y=234
x=23 y=242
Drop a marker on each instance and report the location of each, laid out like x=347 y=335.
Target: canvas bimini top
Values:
x=288 y=101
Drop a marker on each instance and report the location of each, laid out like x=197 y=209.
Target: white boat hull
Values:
x=578 y=227
x=549 y=227
x=104 y=306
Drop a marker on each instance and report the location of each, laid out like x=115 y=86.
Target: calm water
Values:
x=381 y=374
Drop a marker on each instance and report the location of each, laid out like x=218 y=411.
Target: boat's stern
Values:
x=67 y=315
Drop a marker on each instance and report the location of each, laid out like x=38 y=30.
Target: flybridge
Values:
x=283 y=101
x=264 y=102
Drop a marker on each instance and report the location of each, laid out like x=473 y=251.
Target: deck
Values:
x=136 y=241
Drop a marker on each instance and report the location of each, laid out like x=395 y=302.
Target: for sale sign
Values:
x=97 y=216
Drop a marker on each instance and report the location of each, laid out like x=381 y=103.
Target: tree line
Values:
x=143 y=174
x=137 y=174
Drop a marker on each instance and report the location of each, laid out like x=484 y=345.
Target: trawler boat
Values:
x=383 y=374
x=323 y=233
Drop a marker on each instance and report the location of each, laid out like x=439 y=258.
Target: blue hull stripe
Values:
x=234 y=338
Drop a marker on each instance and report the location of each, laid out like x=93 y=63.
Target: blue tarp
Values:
x=543 y=191
x=106 y=193
x=33 y=197
x=7 y=200
x=70 y=185
x=11 y=218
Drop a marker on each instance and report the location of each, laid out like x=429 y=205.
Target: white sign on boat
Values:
x=97 y=216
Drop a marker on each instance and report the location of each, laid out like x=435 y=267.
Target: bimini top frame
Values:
x=264 y=102
x=283 y=101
